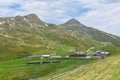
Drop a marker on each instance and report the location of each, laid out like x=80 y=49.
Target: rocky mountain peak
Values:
x=32 y=17
x=73 y=21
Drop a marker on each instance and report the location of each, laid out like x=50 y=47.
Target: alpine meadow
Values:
x=59 y=40
x=22 y=37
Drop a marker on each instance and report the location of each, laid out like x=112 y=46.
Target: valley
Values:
x=24 y=36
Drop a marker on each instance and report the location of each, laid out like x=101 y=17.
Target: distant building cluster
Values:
x=46 y=56
x=98 y=54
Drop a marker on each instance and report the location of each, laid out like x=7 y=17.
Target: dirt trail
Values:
x=65 y=73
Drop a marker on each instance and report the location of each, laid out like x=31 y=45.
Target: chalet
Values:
x=40 y=56
x=45 y=56
x=53 y=56
x=78 y=55
x=100 y=54
x=50 y=56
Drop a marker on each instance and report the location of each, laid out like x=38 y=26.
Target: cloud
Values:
x=109 y=1
x=16 y=7
x=101 y=14
x=104 y=17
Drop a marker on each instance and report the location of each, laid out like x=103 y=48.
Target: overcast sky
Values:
x=101 y=14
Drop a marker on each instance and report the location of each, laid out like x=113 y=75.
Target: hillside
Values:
x=107 y=69
x=74 y=25
x=22 y=36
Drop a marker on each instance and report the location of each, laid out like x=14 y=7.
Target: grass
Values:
x=17 y=69
x=24 y=41
x=106 y=69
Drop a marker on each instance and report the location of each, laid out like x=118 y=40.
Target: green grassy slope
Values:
x=22 y=36
x=19 y=70
x=106 y=69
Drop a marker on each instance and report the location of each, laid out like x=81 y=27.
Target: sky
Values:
x=100 y=14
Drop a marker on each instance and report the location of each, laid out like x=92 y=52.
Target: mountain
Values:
x=22 y=36
x=92 y=33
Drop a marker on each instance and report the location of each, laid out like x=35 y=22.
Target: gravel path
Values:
x=65 y=73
